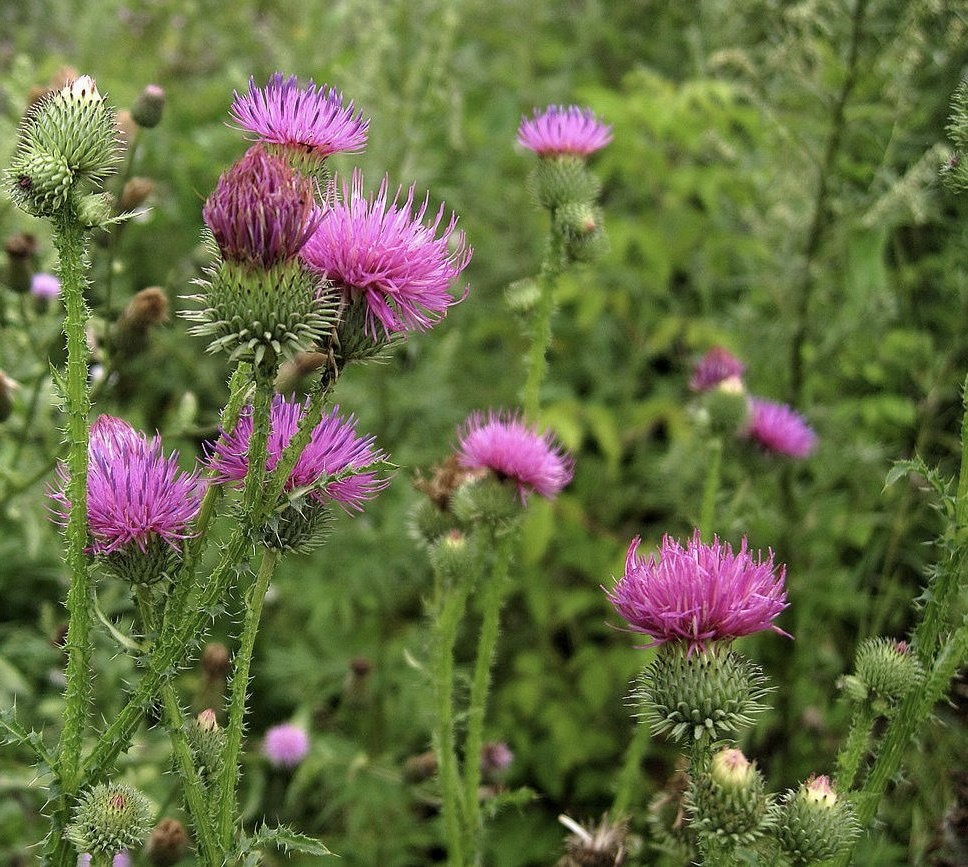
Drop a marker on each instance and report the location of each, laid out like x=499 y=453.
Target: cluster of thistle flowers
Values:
x=718 y=377
x=693 y=600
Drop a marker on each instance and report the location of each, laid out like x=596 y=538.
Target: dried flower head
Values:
x=559 y=130
x=380 y=251
x=715 y=367
x=137 y=497
x=310 y=119
x=334 y=449
x=699 y=593
x=502 y=443
x=285 y=745
x=781 y=429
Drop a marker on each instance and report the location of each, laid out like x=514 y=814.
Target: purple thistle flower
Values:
x=700 y=593
x=378 y=250
x=310 y=119
x=135 y=494
x=504 y=444
x=45 y=286
x=333 y=448
x=285 y=745
x=496 y=757
x=715 y=367
x=781 y=429
x=261 y=211
x=122 y=859
x=560 y=130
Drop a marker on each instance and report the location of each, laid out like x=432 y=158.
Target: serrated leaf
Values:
x=285 y=839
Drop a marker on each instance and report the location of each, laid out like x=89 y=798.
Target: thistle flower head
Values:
x=781 y=429
x=310 y=119
x=285 y=745
x=699 y=593
x=262 y=211
x=563 y=130
x=502 y=443
x=715 y=367
x=813 y=824
x=45 y=286
x=334 y=449
x=380 y=251
x=137 y=498
x=108 y=818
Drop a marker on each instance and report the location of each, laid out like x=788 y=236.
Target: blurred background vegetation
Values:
x=771 y=188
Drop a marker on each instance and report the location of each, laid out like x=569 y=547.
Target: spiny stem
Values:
x=224 y=800
x=551 y=269
x=494 y=587
x=855 y=747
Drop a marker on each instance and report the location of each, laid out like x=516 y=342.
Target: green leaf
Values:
x=283 y=838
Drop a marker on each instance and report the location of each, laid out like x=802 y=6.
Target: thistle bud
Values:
x=725 y=408
x=452 y=557
x=701 y=695
x=95 y=210
x=885 y=671
x=215 y=660
x=168 y=843
x=421 y=767
x=558 y=180
x=135 y=192
x=146 y=309
x=148 y=107
x=108 y=818
x=354 y=341
x=487 y=500
x=21 y=250
x=428 y=522
x=357 y=683
x=206 y=738
x=301 y=524
x=813 y=824
x=729 y=804
x=8 y=388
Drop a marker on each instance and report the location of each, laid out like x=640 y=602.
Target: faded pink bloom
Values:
x=715 y=367
x=781 y=429
x=45 y=286
x=559 y=130
x=503 y=443
x=699 y=593
x=285 y=745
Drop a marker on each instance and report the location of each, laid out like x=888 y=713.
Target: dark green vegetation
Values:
x=771 y=187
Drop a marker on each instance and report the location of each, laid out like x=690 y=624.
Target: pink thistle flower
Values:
x=262 y=211
x=714 y=367
x=504 y=444
x=333 y=449
x=560 y=130
x=378 y=250
x=135 y=493
x=496 y=758
x=310 y=119
x=781 y=429
x=45 y=286
x=699 y=593
x=285 y=745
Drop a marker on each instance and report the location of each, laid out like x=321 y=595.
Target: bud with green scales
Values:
x=206 y=739
x=813 y=823
x=728 y=803
x=885 y=671
x=428 y=522
x=68 y=143
x=108 y=818
x=452 y=557
x=699 y=696
x=300 y=524
x=559 y=180
x=725 y=408
x=489 y=500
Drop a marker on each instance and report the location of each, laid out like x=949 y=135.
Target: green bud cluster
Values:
x=700 y=696
x=263 y=315
x=813 y=824
x=68 y=143
x=488 y=500
x=108 y=818
x=729 y=803
x=300 y=524
x=885 y=671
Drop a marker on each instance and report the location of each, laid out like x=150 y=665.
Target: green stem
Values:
x=551 y=269
x=449 y=615
x=69 y=240
x=628 y=779
x=493 y=587
x=710 y=491
x=855 y=747
x=224 y=801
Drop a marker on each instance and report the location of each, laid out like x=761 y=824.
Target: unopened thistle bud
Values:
x=699 y=695
x=67 y=145
x=108 y=818
x=813 y=823
x=452 y=557
x=135 y=192
x=21 y=250
x=168 y=843
x=885 y=671
x=726 y=408
x=148 y=107
x=428 y=522
x=729 y=803
x=215 y=660
x=207 y=741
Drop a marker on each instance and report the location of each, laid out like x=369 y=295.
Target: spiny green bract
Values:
x=108 y=818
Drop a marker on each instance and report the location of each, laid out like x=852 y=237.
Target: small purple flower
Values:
x=382 y=252
x=714 y=367
x=780 y=429
x=122 y=859
x=135 y=494
x=504 y=444
x=310 y=119
x=333 y=449
x=699 y=593
x=561 y=130
x=45 y=286
x=262 y=211
x=285 y=745
x=496 y=758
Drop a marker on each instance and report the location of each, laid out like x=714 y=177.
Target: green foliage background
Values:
x=720 y=173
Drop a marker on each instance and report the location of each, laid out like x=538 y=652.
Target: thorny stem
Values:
x=551 y=268
x=855 y=747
